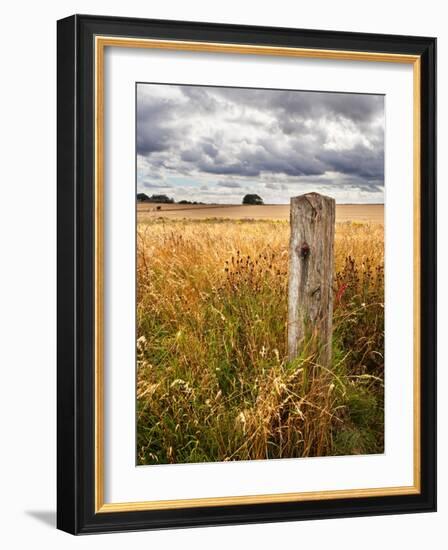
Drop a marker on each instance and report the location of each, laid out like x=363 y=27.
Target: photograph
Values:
x=260 y=273
x=221 y=310
x=246 y=263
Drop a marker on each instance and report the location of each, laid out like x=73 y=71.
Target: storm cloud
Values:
x=216 y=144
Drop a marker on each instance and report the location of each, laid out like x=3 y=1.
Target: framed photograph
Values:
x=246 y=274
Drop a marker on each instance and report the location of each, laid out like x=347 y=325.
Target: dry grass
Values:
x=214 y=382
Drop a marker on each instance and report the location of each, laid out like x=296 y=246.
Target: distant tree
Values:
x=161 y=198
x=184 y=201
x=142 y=197
x=252 y=199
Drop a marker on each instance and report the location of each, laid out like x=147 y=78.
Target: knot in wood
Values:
x=304 y=250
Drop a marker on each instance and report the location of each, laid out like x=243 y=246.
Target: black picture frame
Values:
x=76 y=272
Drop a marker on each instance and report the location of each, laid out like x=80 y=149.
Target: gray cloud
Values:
x=161 y=185
x=269 y=139
x=357 y=161
x=229 y=184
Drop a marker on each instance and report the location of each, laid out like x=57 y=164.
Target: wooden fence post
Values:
x=311 y=265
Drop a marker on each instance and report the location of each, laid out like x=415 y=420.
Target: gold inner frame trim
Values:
x=101 y=42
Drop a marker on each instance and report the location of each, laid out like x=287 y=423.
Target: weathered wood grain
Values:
x=311 y=265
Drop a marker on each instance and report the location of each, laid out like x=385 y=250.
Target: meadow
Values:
x=213 y=379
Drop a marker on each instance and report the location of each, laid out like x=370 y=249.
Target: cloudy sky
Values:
x=214 y=144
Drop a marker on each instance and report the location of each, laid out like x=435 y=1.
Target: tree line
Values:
x=251 y=198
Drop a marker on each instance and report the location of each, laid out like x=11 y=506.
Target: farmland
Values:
x=213 y=379
x=344 y=212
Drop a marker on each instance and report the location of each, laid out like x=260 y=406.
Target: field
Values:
x=213 y=379
x=344 y=212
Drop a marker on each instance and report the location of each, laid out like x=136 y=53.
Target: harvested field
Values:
x=344 y=212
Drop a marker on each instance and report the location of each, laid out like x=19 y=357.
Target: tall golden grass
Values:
x=213 y=379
